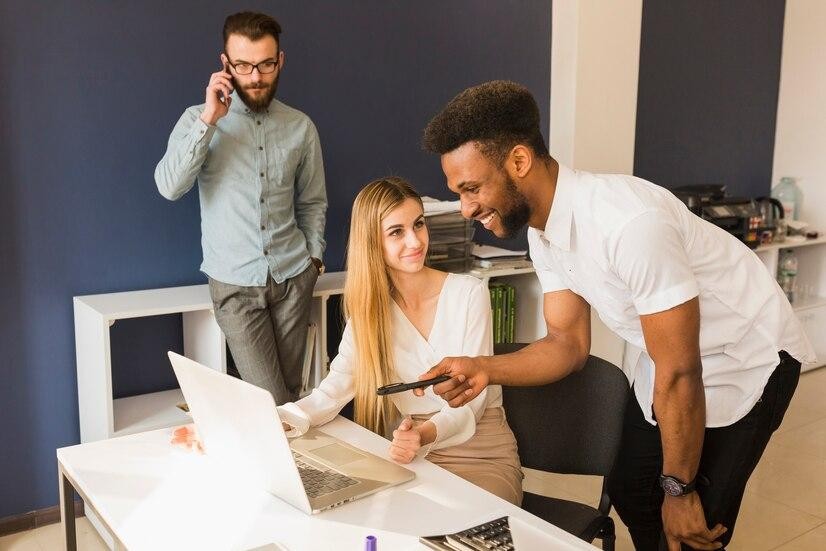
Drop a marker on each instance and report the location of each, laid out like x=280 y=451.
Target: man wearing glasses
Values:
x=263 y=204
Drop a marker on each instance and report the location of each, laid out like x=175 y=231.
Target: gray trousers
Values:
x=266 y=330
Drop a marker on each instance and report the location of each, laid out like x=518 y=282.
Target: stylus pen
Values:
x=370 y=543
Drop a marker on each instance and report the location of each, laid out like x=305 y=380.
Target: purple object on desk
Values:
x=370 y=543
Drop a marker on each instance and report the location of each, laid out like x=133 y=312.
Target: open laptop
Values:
x=240 y=428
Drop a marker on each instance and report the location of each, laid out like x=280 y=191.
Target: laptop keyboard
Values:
x=319 y=482
x=491 y=536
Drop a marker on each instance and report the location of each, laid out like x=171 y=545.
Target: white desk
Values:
x=151 y=495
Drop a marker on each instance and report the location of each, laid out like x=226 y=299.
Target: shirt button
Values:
x=258 y=123
x=260 y=148
x=261 y=174
x=266 y=252
x=263 y=228
x=261 y=200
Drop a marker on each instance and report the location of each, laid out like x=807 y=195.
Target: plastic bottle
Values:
x=790 y=196
x=787 y=273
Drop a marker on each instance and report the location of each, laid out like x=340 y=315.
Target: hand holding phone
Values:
x=401 y=387
x=218 y=92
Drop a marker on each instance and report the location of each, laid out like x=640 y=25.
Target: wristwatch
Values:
x=675 y=487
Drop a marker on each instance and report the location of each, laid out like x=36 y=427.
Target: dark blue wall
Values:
x=90 y=93
x=707 y=100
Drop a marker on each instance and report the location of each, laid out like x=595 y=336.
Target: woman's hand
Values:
x=187 y=438
x=406 y=442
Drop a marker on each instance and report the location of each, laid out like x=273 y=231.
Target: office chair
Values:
x=573 y=426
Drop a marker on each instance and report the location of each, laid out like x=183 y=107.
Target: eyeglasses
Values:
x=265 y=67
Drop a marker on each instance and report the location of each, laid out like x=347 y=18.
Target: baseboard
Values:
x=35 y=519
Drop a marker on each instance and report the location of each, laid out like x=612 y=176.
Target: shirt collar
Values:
x=560 y=219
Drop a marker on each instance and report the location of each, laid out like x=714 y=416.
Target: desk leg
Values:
x=67 y=512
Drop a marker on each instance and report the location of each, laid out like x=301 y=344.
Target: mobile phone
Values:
x=401 y=387
x=224 y=98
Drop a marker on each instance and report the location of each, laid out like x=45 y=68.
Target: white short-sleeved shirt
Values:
x=630 y=247
x=461 y=327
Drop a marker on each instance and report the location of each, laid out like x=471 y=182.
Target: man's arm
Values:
x=185 y=154
x=311 y=196
x=672 y=339
x=188 y=144
x=562 y=351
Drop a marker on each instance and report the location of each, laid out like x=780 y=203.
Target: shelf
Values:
x=330 y=283
x=148 y=412
x=151 y=302
x=808 y=302
x=497 y=272
x=174 y=300
x=790 y=244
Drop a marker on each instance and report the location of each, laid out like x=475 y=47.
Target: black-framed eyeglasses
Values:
x=265 y=67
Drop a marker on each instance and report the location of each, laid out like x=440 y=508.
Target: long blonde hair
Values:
x=367 y=299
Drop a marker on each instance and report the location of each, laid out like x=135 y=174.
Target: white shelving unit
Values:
x=100 y=415
x=810 y=305
x=103 y=417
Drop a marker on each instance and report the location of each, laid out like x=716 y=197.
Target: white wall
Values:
x=800 y=139
x=595 y=52
x=595 y=70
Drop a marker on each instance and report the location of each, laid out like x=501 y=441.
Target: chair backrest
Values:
x=572 y=426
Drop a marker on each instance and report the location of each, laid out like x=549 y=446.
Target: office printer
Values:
x=740 y=216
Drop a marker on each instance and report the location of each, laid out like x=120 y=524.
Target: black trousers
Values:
x=729 y=456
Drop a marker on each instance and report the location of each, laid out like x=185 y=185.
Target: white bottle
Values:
x=790 y=196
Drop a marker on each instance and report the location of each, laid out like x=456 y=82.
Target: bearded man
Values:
x=263 y=204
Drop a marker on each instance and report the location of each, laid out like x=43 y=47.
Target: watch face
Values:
x=671 y=486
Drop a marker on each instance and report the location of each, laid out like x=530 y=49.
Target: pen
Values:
x=370 y=543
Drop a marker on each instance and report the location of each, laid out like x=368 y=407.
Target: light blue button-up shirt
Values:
x=261 y=184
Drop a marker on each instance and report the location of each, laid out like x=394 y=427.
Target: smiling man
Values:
x=263 y=203
x=716 y=345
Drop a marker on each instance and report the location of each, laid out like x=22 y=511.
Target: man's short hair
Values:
x=497 y=115
x=252 y=25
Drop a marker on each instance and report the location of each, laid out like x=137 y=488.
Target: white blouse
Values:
x=461 y=327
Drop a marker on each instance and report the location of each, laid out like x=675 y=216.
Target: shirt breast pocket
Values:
x=285 y=167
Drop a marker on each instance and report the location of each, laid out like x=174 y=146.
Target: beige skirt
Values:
x=488 y=459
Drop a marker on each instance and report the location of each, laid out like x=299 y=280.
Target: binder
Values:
x=511 y=313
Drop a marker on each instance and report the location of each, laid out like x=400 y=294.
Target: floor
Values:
x=784 y=507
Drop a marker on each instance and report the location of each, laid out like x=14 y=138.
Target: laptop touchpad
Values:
x=337 y=454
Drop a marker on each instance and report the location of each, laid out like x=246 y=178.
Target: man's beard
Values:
x=518 y=213
x=262 y=102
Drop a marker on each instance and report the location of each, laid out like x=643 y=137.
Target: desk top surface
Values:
x=155 y=496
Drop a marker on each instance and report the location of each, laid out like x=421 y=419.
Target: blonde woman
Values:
x=402 y=319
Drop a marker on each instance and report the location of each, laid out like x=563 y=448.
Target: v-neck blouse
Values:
x=461 y=327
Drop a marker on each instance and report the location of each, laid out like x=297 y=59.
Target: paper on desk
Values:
x=489 y=251
x=436 y=206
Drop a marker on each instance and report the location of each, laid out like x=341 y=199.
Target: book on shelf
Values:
x=503 y=312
